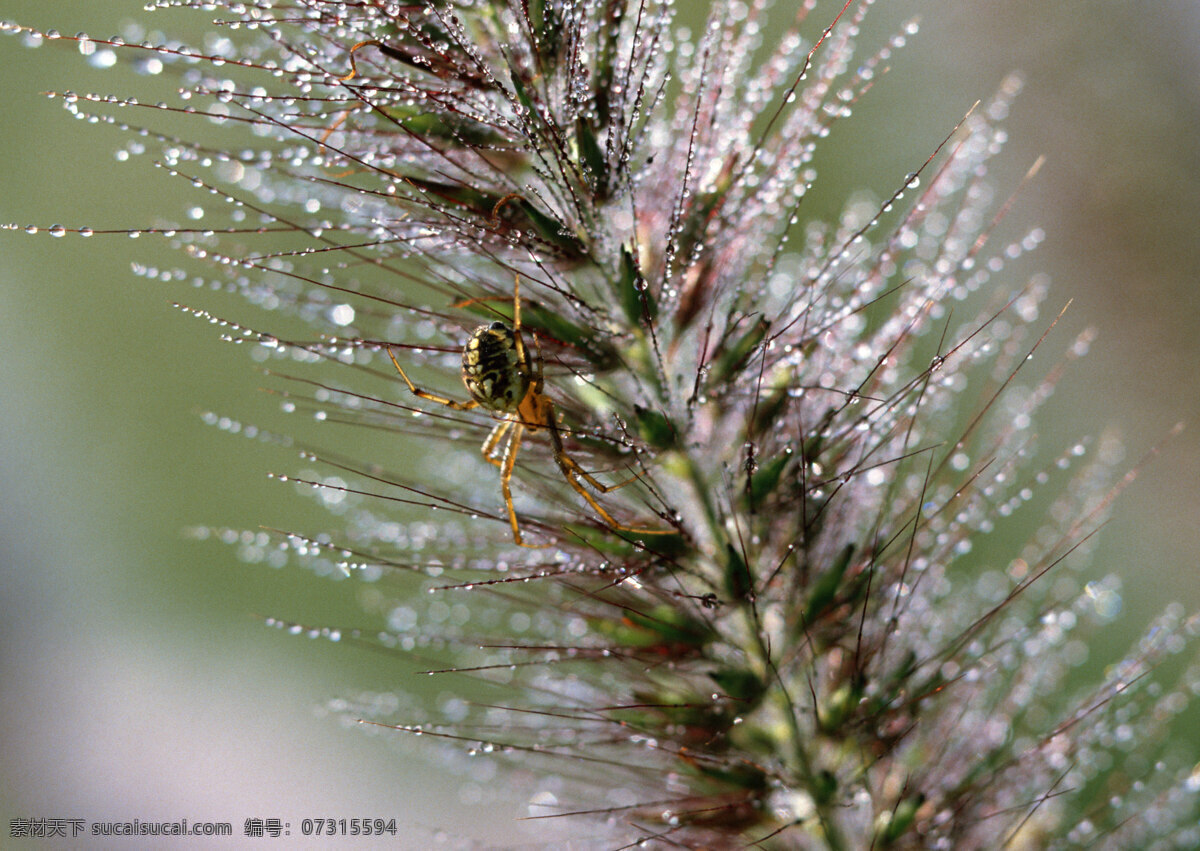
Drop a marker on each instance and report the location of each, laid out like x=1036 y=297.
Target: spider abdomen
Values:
x=494 y=368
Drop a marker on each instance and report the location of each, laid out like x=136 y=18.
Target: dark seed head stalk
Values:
x=749 y=454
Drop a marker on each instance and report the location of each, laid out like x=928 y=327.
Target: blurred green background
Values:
x=137 y=683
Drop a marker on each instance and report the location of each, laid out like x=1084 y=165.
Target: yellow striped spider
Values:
x=500 y=377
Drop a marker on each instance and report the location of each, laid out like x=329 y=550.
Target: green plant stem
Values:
x=783 y=698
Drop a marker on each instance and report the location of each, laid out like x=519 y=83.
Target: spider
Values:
x=499 y=376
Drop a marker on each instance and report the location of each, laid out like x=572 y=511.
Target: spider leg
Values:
x=425 y=394
x=515 y=430
x=516 y=292
x=545 y=417
x=591 y=480
x=572 y=472
x=354 y=65
x=493 y=440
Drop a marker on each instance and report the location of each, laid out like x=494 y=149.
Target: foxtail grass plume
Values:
x=701 y=505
